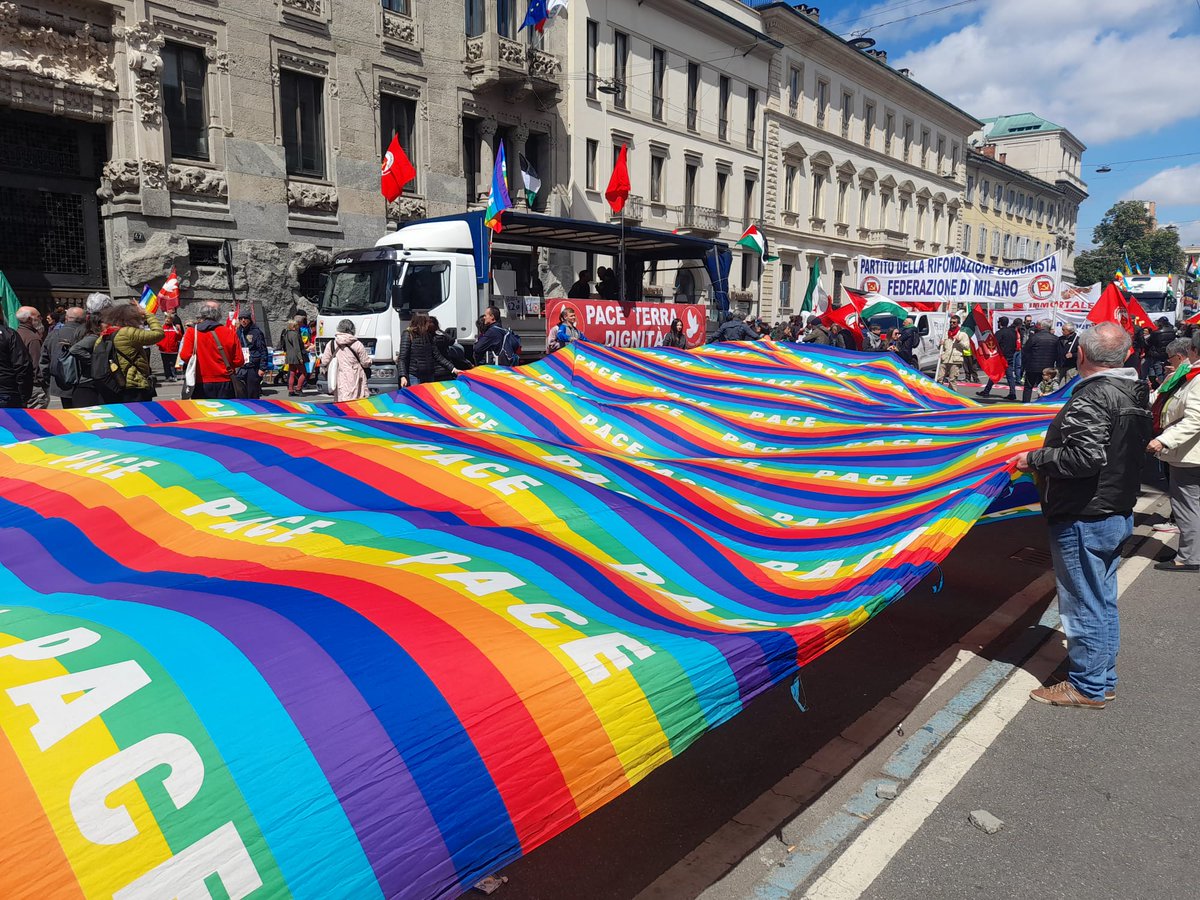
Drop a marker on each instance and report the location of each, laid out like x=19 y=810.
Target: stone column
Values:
x=520 y=136
x=487 y=153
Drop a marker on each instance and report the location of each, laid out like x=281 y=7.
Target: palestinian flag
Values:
x=529 y=175
x=755 y=240
x=983 y=344
x=885 y=308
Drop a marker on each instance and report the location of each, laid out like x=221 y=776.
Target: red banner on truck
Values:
x=618 y=324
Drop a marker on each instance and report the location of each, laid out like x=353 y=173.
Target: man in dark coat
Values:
x=1156 y=350
x=1039 y=352
x=58 y=342
x=16 y=370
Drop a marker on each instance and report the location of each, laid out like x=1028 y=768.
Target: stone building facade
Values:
x=184 y=125
x=859 y=160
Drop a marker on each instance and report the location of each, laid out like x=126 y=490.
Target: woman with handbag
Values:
x=212 y=354
x=346 y=362
x=133 y=333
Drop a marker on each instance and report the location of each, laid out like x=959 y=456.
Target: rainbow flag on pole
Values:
x=498 y=198
x=149 y=300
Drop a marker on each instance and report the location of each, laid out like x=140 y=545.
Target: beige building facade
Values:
x=860 y=160
x=1023 y=192
x=172 y=128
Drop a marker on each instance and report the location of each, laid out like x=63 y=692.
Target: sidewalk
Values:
x=1095 y=804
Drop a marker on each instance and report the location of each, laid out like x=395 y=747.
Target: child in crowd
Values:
x=1049 y=382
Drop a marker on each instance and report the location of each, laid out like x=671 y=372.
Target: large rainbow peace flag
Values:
x=382 y=648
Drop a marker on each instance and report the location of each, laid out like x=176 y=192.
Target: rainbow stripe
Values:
x=381 y=648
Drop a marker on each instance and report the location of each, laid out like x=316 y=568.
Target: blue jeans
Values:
x=1085 y=566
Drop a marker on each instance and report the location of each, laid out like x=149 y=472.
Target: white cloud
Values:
x=1098 y=67
x=1177 y=186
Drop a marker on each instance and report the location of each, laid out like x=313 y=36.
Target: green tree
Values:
x=1126 y=229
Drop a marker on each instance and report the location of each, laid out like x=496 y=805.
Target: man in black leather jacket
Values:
x=1089 y=473
x=16 y=370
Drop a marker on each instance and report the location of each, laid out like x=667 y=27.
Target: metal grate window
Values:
x=200 y=254
x=29 y=147
x=43 y=231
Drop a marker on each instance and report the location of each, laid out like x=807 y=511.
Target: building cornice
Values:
x=792 y=21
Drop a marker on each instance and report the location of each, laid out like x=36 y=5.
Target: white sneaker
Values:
x=1165 y=528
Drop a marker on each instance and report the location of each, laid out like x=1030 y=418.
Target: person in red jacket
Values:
x=218 y=355
x=168 y=347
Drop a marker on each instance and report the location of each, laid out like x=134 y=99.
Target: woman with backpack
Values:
x=420 y=357
x=346 y=361
x=84 y=392
x=132 y=332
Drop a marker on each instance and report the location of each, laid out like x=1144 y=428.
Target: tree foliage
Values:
x=1127 y=228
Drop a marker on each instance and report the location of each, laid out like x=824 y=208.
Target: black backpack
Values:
x=65 y=368
x=509 y=353
x=107 y=373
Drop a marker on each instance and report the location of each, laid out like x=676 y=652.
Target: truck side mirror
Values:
x=452 y=333
x=923 y=326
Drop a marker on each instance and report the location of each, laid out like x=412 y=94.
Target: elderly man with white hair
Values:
x=32 y=333
x=1089 y=474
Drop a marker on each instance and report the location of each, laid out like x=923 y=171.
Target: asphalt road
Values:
x=1095 y=804
x=622 y=848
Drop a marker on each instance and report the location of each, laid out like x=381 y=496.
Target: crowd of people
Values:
x=98 y=353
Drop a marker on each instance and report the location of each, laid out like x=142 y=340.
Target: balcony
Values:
x=494 y=61
x=703 y=218
x=633 y=210
x=886 y=239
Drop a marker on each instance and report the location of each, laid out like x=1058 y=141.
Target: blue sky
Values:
x=1119 y=74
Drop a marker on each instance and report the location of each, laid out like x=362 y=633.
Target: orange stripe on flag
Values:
x=32 y=862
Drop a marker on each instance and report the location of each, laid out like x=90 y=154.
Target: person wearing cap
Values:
x=255 y=367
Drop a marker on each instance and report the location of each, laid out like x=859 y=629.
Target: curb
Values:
x=811 y=855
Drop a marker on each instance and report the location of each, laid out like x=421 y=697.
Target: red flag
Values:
x=984 y=346
x=617 y=191
x=1111 y=307
x=168 y=295
x=397 y=171
x=848 y=315
x=1137 y=314
x=1194 y=320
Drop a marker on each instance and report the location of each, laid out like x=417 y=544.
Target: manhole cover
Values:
x=1035 y=556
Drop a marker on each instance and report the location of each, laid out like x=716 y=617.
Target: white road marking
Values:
x=868 y=855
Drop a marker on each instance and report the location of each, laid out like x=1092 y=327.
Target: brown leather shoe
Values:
x=1064 y=694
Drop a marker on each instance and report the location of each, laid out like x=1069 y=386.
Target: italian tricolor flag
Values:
x=755 y=240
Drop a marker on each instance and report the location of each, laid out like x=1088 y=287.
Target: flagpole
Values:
x=621 y=258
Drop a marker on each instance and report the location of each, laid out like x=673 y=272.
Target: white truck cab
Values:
x=443 y=267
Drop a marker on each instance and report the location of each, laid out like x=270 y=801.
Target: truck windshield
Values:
x=1155 y=303
x=359 y=288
